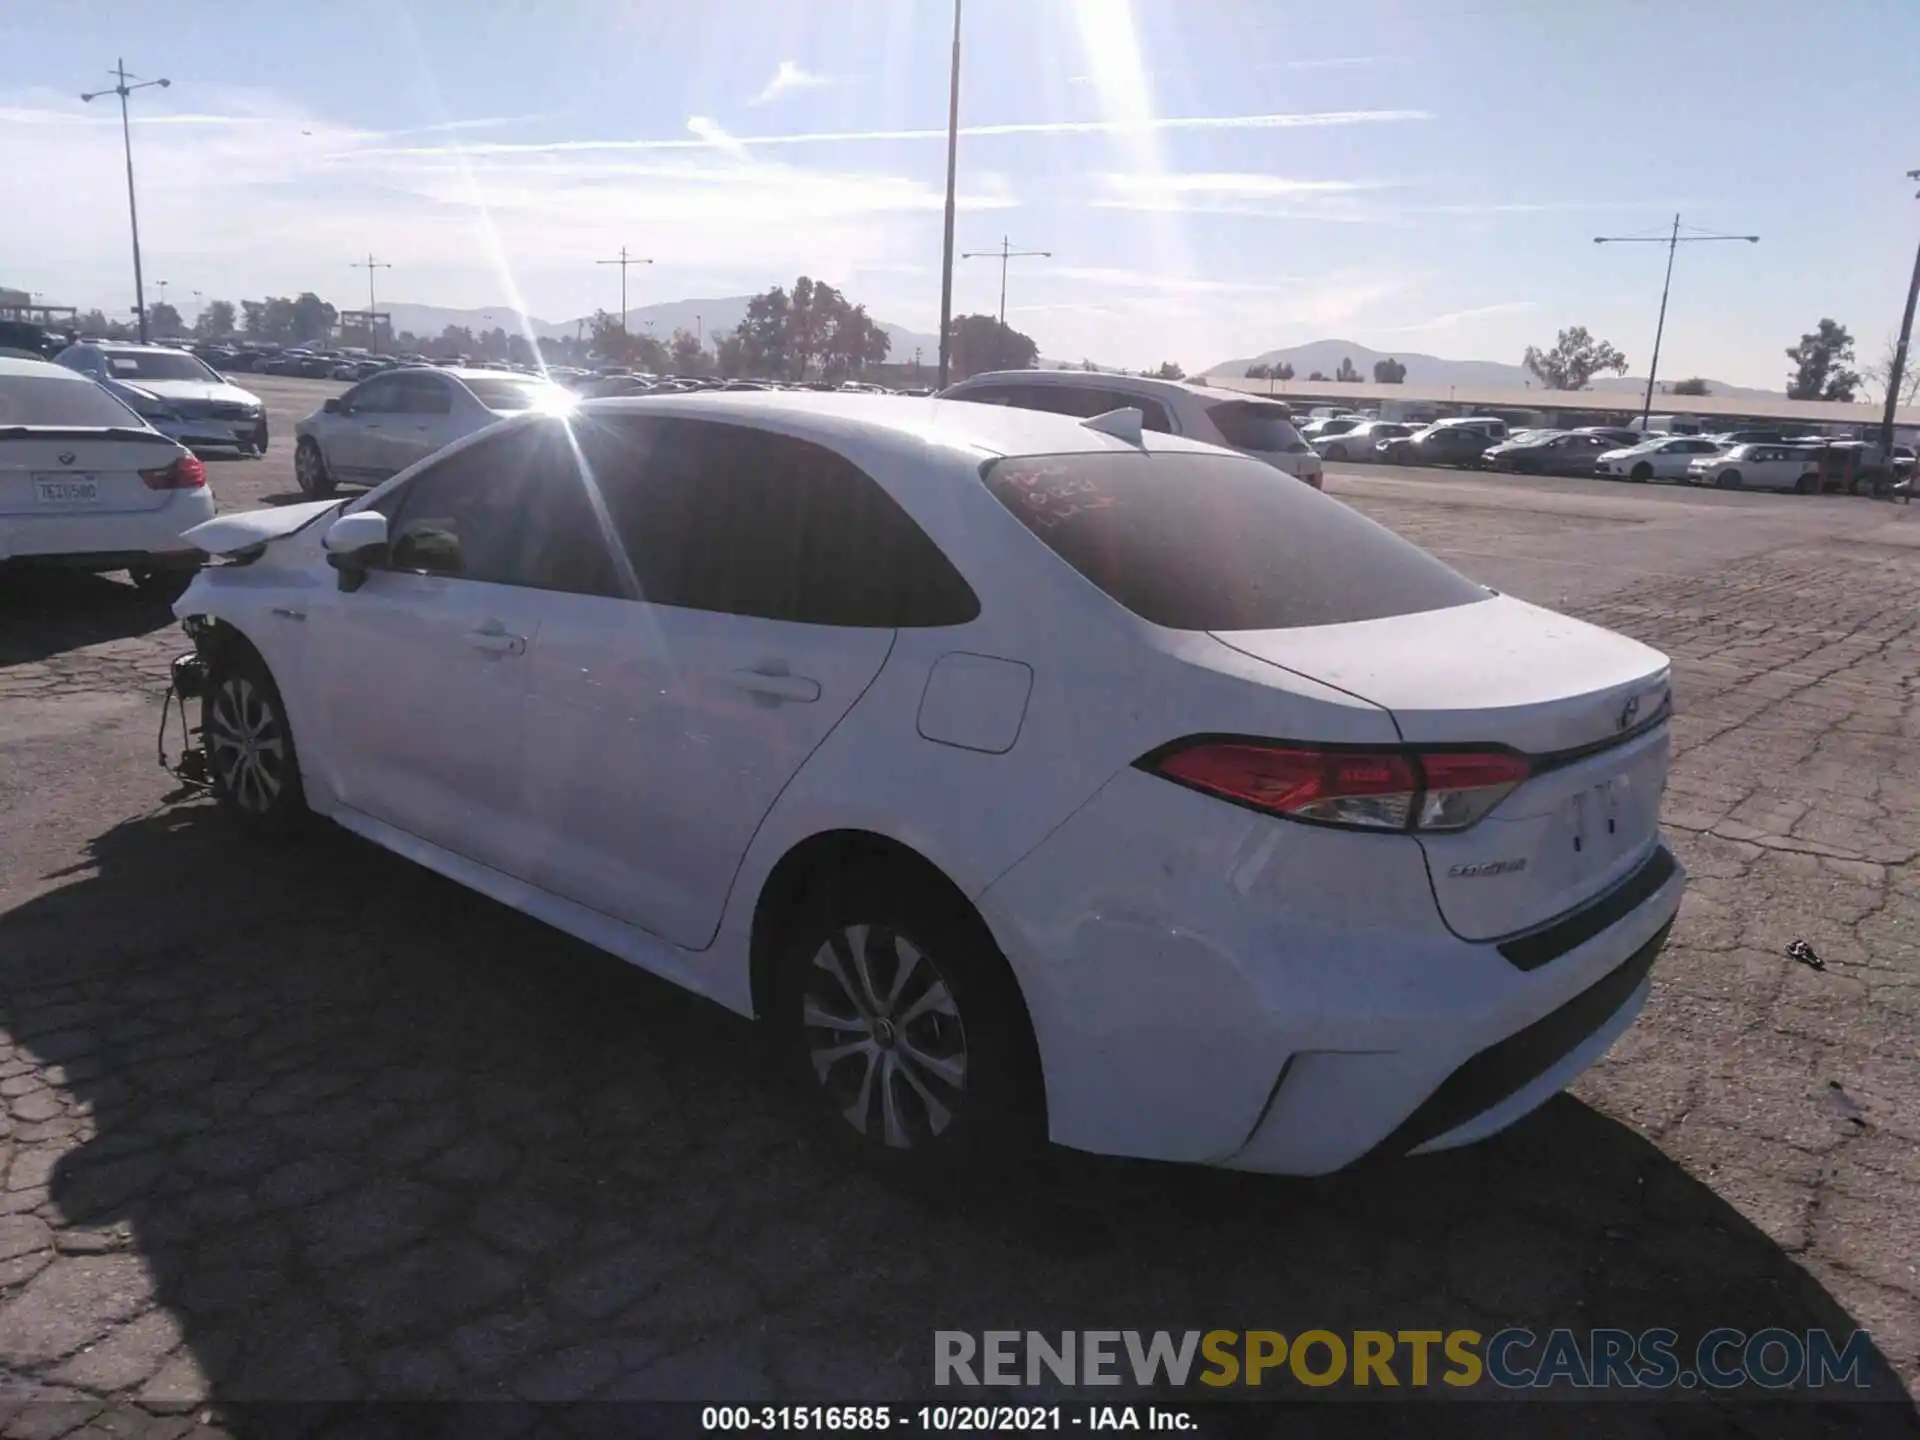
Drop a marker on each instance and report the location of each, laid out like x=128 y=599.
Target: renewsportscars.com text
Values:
x=1510 y=1359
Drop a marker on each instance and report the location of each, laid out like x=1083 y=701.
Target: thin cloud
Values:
x=1460 y=317
x=1305 y=120
x=1241 y=185
x=1330 y=62
x=710 y=133
x=787 y=79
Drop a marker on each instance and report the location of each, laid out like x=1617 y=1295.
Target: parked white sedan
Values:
x=1759 y=467
x=86 y=484
x=1277 y=844
x=1664 y=457
x=385 y=424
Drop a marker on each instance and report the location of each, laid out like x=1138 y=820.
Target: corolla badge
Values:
x=1485 y=868
x=1630 y=712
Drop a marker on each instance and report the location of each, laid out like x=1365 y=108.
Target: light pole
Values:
x=623 y=261
x=946 y=249
x=1006 y=253
x=370 y=265
x=1673 y=241
x=122 y=89
x=1899 y=367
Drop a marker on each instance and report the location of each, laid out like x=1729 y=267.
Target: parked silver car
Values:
x=175 y=392
x=384 y=424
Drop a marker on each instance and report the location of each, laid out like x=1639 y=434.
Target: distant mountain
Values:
x=722 y=313
x=1429 y=371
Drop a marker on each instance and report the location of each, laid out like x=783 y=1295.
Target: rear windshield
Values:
x=1217 y=542
x=47 y=400
x=506 y=394
x=155 y=365
x=1249 y=425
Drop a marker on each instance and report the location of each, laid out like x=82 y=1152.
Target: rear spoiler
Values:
x=83 y=432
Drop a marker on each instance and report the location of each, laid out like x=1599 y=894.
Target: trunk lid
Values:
x=1586 y=704
x=66 y=472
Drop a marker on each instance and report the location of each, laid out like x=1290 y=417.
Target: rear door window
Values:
x=743 y=521
x=1219 y=542
x=1249 y=425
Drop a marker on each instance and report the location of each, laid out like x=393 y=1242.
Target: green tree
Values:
x=1316 y=375
x=688 y=355
x=1389 y=371
x=1257 y=371
x=164 y=320
x=1823 y=365
x=1693 y=386
x=215 y=322
x=981 y=342
x=1576 y=357
x=1169 y=370
x=1346 y=374
x=312 y=318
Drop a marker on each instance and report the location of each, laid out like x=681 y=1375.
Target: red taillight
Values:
x=1366 y=789
x=186 y=473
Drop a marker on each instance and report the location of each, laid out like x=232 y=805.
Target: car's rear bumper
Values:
x=1207 y=985
x=71 y=538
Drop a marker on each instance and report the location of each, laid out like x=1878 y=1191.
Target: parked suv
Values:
x=1249 y=424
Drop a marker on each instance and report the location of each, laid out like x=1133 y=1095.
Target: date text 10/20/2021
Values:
x=945 y=1418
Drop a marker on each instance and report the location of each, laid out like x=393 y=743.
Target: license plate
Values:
x=66 y=490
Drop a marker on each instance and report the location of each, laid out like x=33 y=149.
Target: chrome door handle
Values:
x=797 y=688
x=495 y=642
x=285 y=614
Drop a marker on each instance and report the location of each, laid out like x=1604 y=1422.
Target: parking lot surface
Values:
x=313 y=1123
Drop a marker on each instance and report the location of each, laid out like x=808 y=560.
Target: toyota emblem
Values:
x=1630 y=712
x=66 y=457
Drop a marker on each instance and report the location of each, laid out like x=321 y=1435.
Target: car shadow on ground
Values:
x=45 y=612
x=311 y=1123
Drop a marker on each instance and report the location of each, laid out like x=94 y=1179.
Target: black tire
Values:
x=258 y=783
x=260 y=437
x=1807 y=485
x=949 y=1009
x=1729 y=480
x=1334 y=452
x=165 y=583
x=1642 y=472
x=310 y=470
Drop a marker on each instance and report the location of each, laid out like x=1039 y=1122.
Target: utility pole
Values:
x=1899 y=369
x=1672 y=241
x=122 y=89
x=1006 y=252
x=370 y=265
x=946 y=249
x=623 y=262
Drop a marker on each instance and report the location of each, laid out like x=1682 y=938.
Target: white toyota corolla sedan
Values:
x=1027 y=775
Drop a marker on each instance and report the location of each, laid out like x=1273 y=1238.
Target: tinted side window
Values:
x=507 y=511
x=423 y=395
x=376 y=397
x=746 y=522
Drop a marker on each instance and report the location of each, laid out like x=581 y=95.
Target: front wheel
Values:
x=1334 y=452
x=1729 y=480
x=1807 y=485
x=249 y=745
x=1642 y=472
x=896 y=1012
x=310 y=469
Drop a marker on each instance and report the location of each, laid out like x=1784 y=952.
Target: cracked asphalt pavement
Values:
x=313 y=1124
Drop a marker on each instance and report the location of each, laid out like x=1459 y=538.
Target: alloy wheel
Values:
x=247 y=744
x=308 y=468
x=884 y=1036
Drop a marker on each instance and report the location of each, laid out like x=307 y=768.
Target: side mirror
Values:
x=354 y=543
x=332 y=406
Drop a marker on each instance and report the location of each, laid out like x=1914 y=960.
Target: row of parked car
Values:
x=1739 y=459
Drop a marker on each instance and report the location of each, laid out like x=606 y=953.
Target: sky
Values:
x=1213 y=178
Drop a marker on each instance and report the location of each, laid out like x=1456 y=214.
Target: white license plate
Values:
x=66 y=490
